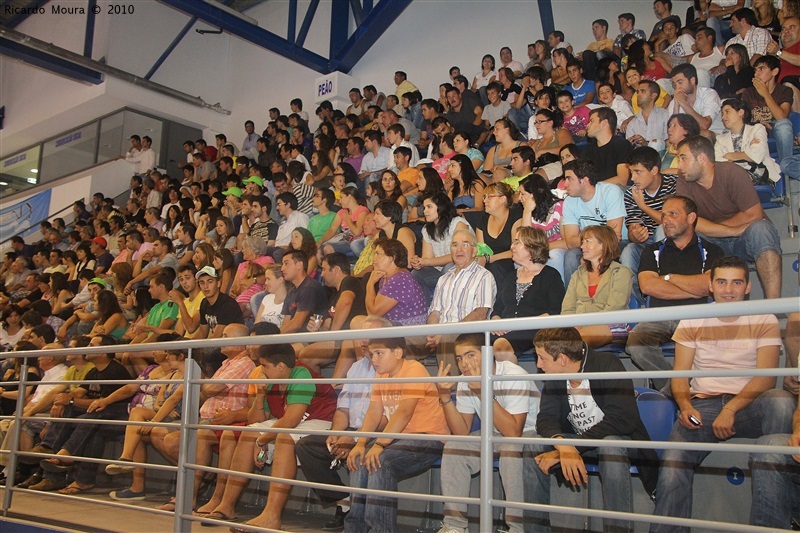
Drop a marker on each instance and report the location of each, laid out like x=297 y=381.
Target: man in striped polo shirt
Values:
x=465 y=293
x=643 y=202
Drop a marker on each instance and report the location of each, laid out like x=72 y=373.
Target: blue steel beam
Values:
x=307 y=20
x=50 y=63
x=178 y=38
x=291 y=30
x=546 y=15
x=88 y=40
x=340 y=19
x=16 y=20
x=260 y=37
x=380 y=17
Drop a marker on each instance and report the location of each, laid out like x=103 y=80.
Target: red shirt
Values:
x=321 y=406
x=787 y=69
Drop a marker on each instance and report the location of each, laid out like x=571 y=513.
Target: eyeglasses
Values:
x=487 y=196
x=542 y=121
x=464 y=245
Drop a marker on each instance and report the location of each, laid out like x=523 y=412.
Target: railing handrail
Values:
x=755 y=307
x=191 y=383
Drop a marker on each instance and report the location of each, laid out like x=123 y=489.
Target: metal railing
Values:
x=192 y=381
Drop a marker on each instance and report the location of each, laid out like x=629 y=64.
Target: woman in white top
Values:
x=745 y=144
x=486 y=75
x=441 y=221
x=271 y=308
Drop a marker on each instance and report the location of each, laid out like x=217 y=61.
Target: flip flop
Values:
x=216 y=515
x=74 y=489
x=56 y=465
x=169 y=506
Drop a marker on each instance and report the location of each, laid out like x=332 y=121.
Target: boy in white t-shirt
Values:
x=515 y=405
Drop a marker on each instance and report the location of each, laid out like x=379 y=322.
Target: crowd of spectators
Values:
x=583 y=181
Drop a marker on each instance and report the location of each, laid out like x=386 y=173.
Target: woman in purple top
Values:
x=399 y=297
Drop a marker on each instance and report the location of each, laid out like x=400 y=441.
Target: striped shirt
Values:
x=305 y=196
x=633 y=214
x=459 y=293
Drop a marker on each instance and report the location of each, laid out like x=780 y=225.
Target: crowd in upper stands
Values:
x=617 y=177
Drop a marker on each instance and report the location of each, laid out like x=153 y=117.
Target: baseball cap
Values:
x=236 y=191
x=99 y=281
x=255 y=179
x=101 y=241
x=206 y=271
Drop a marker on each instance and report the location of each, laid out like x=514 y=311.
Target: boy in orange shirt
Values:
x=396 y=408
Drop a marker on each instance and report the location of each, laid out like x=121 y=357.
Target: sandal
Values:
x=216 y=515
x=55 y=465
x=169 y=506
x=75 y=489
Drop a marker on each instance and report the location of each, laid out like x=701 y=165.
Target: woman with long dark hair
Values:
x=541 y=209
x=110 y=319
x=441 y=221
x=467 y=186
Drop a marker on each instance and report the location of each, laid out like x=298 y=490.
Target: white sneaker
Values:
x=447 y=528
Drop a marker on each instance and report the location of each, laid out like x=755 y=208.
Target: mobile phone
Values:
x=693 y=419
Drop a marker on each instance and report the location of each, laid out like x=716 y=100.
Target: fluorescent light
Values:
x=31 y=180
x=3 y=183
x=35 y=170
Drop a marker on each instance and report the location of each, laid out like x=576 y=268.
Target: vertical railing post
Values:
x=15 y=433
x=487 y=428
x=188 y=446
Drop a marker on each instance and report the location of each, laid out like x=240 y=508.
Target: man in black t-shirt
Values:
x=606 y=150
x=100 y=401
x=305 y=299
x=674 y=271
x=218 y=309
x=346 y=302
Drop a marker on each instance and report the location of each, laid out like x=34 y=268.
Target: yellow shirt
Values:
x=193 y=307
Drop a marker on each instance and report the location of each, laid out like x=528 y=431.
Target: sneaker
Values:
x=337 y=524
x=447 y=528
x=114 y=470
x=126 y=495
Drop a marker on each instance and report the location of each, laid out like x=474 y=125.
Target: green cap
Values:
x=99 y=281
x=236 y=191
x=255 y=179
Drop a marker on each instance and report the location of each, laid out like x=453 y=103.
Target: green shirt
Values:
x=319 y=224
x=161 y=311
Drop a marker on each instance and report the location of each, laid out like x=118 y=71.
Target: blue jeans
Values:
x=759 y=237
x=572 y=261
x=557 y=261
x=775 y=486
x=403 y=459
x=255 y=302
x=770 y=413
x=722 y=28
x=783 y=133
x=791 y=166
x=428 y=277
x=520 y=118
x=615 y=474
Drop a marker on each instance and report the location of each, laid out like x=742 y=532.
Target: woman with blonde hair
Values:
x=599 y=284
x=496 y=229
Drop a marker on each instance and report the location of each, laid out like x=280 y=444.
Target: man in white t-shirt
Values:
x=701 y=103
x=715 y=409
x=515 y=405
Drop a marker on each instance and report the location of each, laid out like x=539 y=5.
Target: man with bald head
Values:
x=465 y=293
x=225 y=404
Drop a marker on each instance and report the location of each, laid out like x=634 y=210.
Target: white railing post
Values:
x=188 y=448
x=487 y=427
x=15 y=433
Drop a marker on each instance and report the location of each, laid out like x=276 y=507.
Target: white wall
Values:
x=428 y=38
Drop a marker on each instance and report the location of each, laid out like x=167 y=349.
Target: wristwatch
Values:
x=72 y=401
x=779 y=53
x=666 y=278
